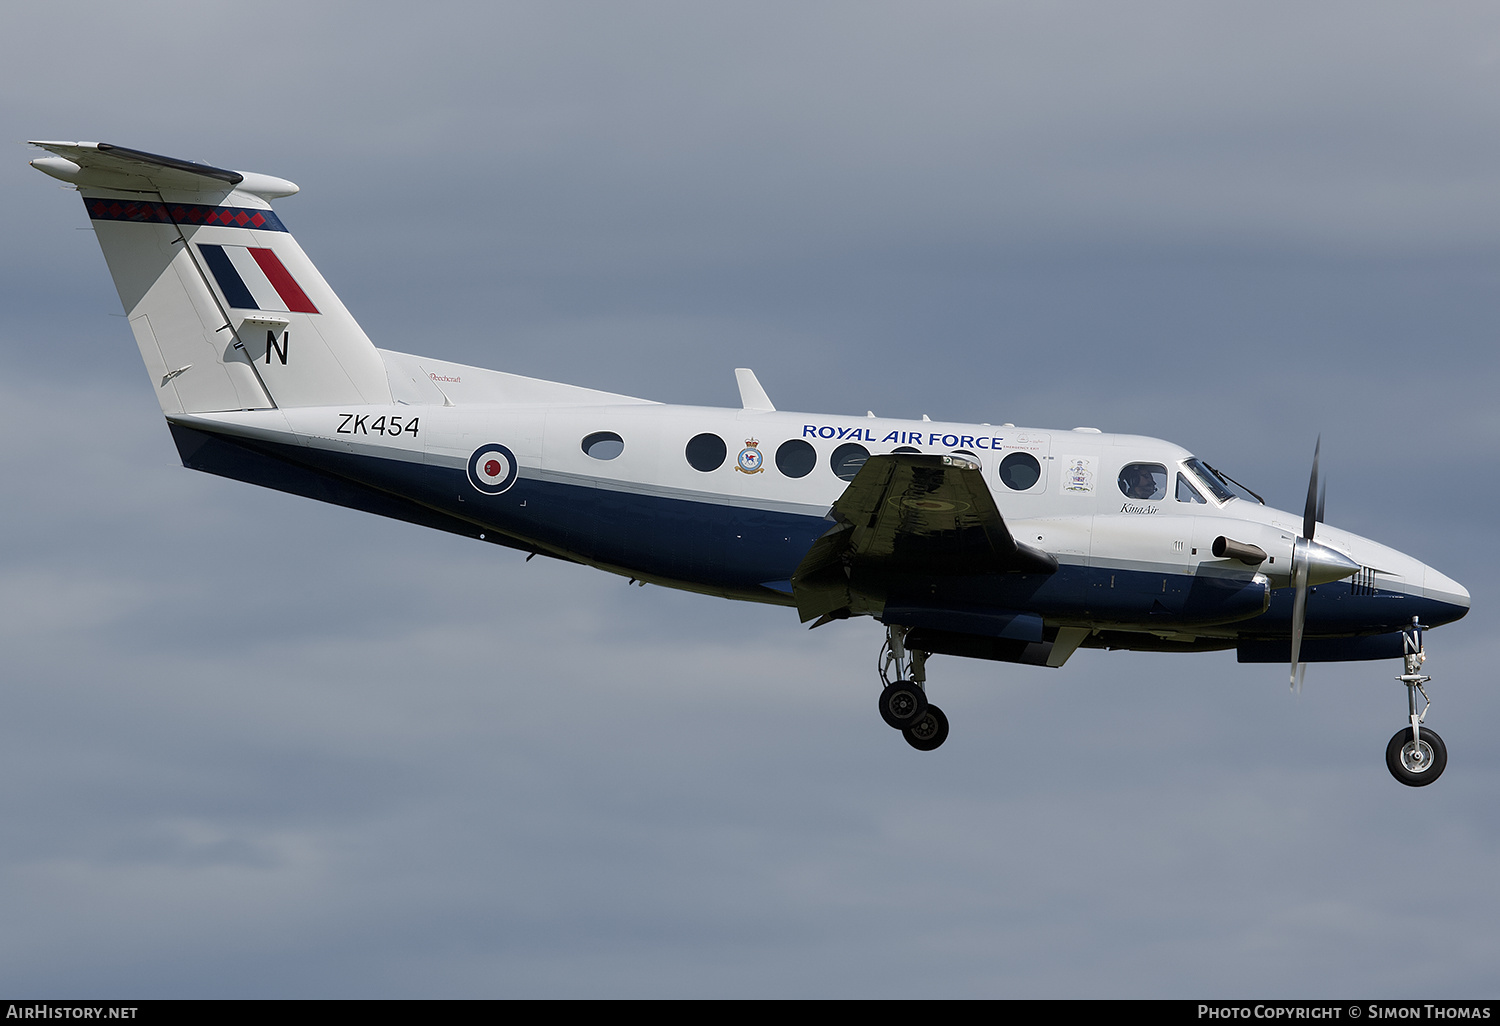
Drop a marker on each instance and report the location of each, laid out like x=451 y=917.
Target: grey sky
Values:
x=255 y=746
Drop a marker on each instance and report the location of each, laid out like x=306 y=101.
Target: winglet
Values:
x=752 y=396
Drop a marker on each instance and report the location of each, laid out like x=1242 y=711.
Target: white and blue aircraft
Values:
x=988 y=541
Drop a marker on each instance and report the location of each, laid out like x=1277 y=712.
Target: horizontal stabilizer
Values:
x=106 y=166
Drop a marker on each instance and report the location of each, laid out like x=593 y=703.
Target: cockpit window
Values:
x=1211 y=479
x=1186 y=492
x=1143 y=481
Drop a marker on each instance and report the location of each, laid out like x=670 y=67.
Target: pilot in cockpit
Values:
x=1138 y=481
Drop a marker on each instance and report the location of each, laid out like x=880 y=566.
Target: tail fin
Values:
x=228 y=311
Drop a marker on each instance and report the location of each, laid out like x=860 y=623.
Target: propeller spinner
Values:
x=1312 y=563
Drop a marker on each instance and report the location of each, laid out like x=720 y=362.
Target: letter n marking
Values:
x=281 y=348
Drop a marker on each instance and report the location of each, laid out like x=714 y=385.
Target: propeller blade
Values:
x=1313 y=511
x=1322 y=498
x=1299 y=604
x=1312 y=516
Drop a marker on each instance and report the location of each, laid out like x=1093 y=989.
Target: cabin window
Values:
x=1019 y=471
x=847 y=459
x=1143 y=481
x=603 y=445
x=1186 y=492
x=706 y=452
x=906 y=448
x=796 y=458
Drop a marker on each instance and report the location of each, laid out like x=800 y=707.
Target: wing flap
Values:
x=931 y=514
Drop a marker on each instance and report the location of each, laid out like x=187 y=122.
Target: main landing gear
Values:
x=903 y=702
x=1416 y=756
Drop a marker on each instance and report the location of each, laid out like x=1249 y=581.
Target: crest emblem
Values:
x=752 y=460
x=1078 y=477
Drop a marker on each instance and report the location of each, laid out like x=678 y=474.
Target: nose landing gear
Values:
x=903 y=702
x=1416 y=755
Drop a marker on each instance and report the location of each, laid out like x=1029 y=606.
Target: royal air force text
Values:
x=861 y=434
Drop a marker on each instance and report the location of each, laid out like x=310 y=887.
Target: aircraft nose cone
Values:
x=1441 y=588
x=1463 y=595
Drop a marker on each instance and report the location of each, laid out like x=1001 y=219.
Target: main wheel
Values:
x=1416 y=763
x=927 y=731
x=901 y=703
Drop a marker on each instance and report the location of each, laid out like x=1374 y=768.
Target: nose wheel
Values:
x=903 y=701
x=1416 y=759
x=1416 y=755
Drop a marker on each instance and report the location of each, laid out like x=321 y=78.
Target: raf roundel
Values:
x=492 y=469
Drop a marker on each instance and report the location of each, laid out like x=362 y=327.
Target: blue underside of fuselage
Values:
x=744 y=552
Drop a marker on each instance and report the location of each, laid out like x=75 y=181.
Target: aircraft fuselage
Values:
x=1126 y=564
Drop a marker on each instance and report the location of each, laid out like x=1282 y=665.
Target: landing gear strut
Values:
x=1416 y=756
x=903 y=702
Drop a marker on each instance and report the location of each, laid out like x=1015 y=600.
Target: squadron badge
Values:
x=752 y=460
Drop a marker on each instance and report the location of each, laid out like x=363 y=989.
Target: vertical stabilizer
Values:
x=227 y=310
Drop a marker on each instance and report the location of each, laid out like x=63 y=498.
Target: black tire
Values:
x=901 y=703
x=1412 y=768
x=928 y=731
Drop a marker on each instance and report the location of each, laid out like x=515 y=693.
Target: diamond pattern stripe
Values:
x=182 y=213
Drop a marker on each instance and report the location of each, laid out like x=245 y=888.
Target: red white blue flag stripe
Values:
x=252 y=278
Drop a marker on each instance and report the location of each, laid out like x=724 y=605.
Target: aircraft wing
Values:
x=909 y=515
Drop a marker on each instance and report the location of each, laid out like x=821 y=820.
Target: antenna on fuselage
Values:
x=752 y=396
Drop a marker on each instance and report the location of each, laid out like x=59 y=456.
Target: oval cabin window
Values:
x=1019 y=471
x=603 y=445
x=795 y=458
x=847 y=459
x=706 y=452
